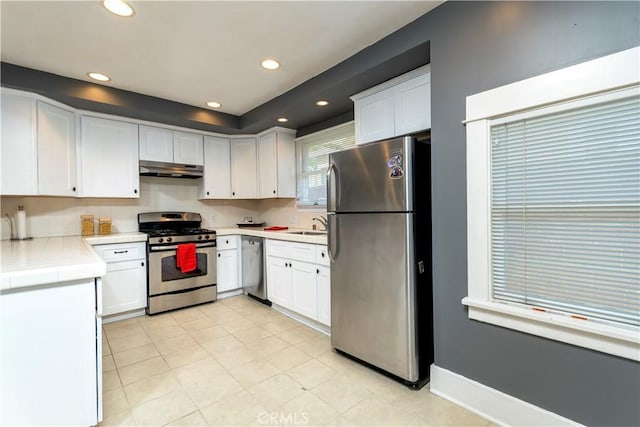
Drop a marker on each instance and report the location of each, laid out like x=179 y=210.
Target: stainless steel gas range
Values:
x=168 y=287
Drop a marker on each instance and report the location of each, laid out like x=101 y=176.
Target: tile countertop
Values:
x=47 y=260
x=278 y=235
x=108 y=239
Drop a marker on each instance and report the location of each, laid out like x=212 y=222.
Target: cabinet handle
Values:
x=290 y=265
x=120 y=252
x=207 y=193
x=142 y=264
x=274 y=191
x=233 y=194
x=227 y=242
x=73 y=189
x=286 y=264
x=135 y=191
x=317 y=271
x=218 y=255
x=322 y=254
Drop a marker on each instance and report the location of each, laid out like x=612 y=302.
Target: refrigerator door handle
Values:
x=333 y=198
x=332 y=238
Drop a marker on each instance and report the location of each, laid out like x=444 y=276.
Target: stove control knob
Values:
x=160 y=240
x=169 y=239
x=199 y=237
x=206 y=237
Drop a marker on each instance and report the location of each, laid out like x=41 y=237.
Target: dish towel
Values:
x=186 y=259
x=275 y=228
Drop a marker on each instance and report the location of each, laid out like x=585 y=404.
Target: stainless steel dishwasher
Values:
x=254 y=282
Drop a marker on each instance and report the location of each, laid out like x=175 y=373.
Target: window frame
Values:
x=560 y=89
x=299 y=164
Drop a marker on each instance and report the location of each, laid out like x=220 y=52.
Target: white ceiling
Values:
x=193 y=52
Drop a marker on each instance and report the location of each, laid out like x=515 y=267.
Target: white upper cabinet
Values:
x=187 y=148
x=38 y=147
x=412 y=105
x=276 y=164
x=109 y=158
x=216 y=182
x=164 y=145
x=18 y=146
x=397 y=107
x=374 y=117
x=156 y=144
x=57 y=166
x=243 y=168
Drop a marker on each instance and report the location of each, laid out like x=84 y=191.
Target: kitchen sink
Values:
x=308 y=233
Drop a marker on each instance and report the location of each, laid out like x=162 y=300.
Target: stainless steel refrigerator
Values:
x=379 y=215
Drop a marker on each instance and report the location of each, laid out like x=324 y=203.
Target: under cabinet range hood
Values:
x=172 y=170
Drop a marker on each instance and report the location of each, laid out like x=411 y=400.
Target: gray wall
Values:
x=477 y=46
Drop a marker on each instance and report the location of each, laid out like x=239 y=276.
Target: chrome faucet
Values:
x=322 y=220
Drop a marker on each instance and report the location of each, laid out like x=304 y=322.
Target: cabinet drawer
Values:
x=322 y=256
x=303 y=252
x=121 y=251
x=226 y=242
x=278 y=248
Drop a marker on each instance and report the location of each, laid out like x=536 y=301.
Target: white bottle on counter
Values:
x=21 y=223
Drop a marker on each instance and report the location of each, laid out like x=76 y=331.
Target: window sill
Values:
x=584 y=333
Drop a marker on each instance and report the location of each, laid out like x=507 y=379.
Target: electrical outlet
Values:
x=293 y=220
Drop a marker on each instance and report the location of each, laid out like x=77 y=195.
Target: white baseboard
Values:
x=228 y=294
x=303 y=319
x=123 y=316
x=496 y=406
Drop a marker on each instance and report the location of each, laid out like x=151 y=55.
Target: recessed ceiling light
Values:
x=283 y=119
x=118 y=7
x=213 y=104
x=99 y=77
x=270 y=64
x=322 y=103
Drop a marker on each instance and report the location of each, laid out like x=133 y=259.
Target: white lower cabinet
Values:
x=124 y=288
x=304 y=289
x=324 y=294
x=279 y=282
x=298 y=278
x=228 y=265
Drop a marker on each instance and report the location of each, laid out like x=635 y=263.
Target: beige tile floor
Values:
x=236 y=362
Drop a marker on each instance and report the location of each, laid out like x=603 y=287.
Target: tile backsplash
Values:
x=60 y=216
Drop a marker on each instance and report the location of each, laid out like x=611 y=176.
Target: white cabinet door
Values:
x=18 y=146
x=413 y=105
x=268 y=166
x=279 y=282
x=156 y=144
x=374 y=117
x=57 y=167
x=49 y=355
x=187 y=148
x=276 y=164
x=286 y=147
x=216 y=183
x=124 y=288
x=304 y=288
x=323 y=284
x=109 y=158
x=228 y=270
x=243 y=168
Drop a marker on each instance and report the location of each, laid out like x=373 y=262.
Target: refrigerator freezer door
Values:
x=373 y=290
x=372 y=178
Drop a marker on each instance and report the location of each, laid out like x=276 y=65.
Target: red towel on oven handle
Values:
x=186 y=258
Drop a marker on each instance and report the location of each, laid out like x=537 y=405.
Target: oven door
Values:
x=165 y=277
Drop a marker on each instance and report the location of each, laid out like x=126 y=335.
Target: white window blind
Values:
x=565 y=211
x=313 y=160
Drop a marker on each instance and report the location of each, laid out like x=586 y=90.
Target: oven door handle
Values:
x=174 y=247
